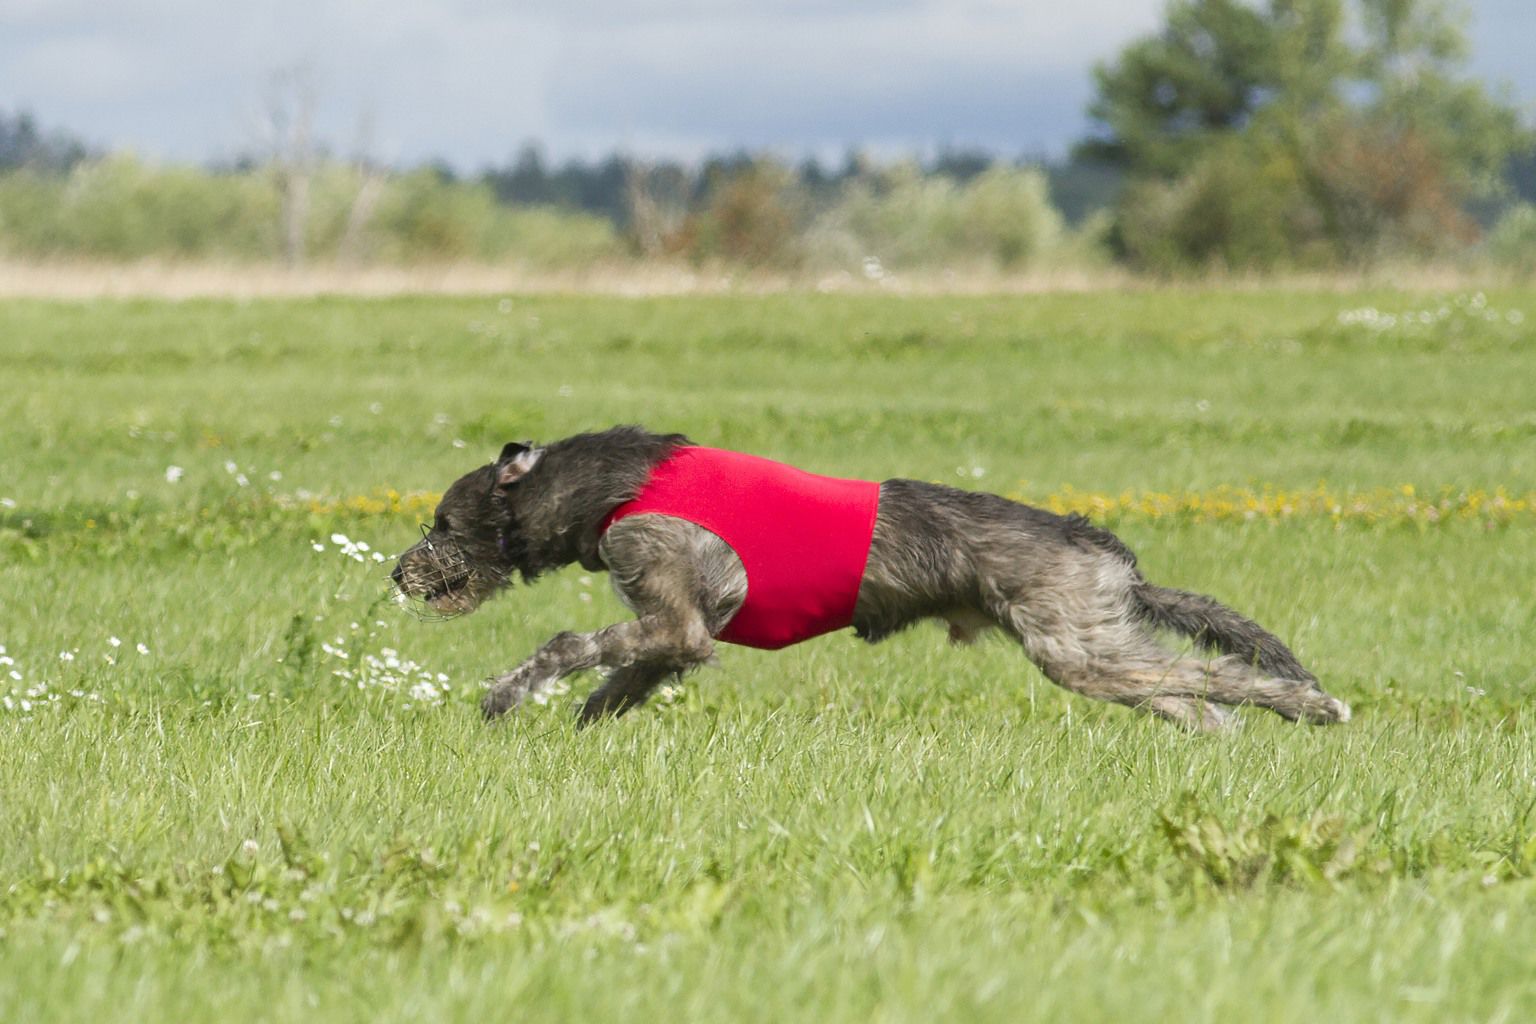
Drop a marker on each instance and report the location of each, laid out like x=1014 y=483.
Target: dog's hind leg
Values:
x=1184 y=689
x=1215 y=627
x=1229 y=680
x=1258 y=667
x=1088 y=633
x=1154 y=685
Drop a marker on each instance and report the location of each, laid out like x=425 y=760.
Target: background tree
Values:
x=372 y=177
x=24 y=145
x=288 y=127
x=1299 y=132
x=1168 y=96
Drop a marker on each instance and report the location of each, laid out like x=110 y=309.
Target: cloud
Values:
x=79 y=68
x=470 y=79
x=987 y=73
x=188 y=80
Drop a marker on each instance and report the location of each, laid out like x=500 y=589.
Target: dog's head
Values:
x=474 y=544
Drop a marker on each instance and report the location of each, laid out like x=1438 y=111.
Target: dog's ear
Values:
x=515 y=462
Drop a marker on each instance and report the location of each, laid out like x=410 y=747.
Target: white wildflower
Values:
x=173 y=474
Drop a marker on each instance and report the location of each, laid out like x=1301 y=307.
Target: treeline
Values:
x=25 y=145
x=958 y=211
x=60 y=200
x=1246 y=135
x=1078 y=188
x=957 y=208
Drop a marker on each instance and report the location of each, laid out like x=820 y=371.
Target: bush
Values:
x=751 y=218
x=1382 y=191
x=1512 y=242
x=1340 y=190
x=120 y=208
x=1235 y=209
x=1002 y=217
x=1006 y=214
x=424 y=217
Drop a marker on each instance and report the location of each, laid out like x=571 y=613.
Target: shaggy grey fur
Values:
x=1066 y=590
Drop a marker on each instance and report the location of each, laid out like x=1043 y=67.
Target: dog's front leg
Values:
x=677 y=644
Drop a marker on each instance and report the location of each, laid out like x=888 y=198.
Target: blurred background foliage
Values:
x=1304 y=132
x=1242 y=135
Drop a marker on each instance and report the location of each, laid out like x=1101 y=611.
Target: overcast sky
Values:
x=469 y=80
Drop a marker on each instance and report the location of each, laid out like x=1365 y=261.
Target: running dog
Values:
x=707 y=546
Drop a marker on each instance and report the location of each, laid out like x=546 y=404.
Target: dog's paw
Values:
x=1325 y=709
x=1193 y=714
x=504 y=693
x=508 y=692
x=498 y=700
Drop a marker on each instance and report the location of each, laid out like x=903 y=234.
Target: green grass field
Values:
x=239 y=784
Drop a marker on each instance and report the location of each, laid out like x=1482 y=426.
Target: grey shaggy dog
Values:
x=1069 y=592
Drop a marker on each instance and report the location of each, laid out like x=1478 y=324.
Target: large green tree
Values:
x=1168 y=96
x=1271 y=131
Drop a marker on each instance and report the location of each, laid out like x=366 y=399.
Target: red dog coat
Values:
x=803 y=539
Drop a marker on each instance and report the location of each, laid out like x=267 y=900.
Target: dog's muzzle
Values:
x=434 y=573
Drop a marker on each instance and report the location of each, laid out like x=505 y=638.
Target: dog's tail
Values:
x=1214 y=626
